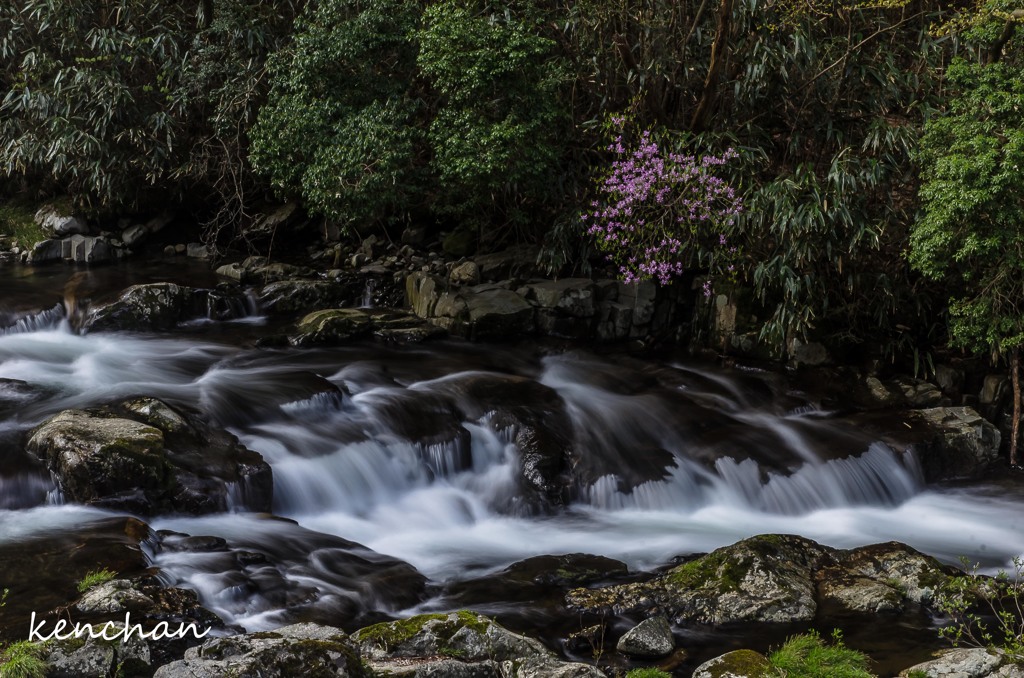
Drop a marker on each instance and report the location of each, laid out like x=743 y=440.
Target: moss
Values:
x=740 y=663
x=721 y=572
x=390 y=635
x=17 y=220
x=648 y=673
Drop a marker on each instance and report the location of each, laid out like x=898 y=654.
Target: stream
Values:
x=410 y=461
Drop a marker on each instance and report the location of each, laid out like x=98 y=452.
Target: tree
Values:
x=971 y=230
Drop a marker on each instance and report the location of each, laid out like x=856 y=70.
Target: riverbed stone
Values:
x=572 y=296
x=431 y=644
x=466 y=273
x=300 y=649
x=331 y=326
x=151 y=307
x=974 y=662
x=651 y=638
x=497 y=314
x=735 y=664
x=305 y=296
x=57 y=218
x=958 y=443
x=142 y=455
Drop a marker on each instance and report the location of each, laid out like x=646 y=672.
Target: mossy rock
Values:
x=735 y=664
x=331 y=326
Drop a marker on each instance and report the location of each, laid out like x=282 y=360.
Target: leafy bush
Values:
x=808 y=656
x=985 y=612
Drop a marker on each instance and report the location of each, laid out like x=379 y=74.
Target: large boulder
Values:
x=303 y=296
x=460 y=644
x=495 y=313
x=974 y=662
x=651 y=638
x=735 y=664
x=145 y=456
x=574 y=297
x=958 y=442
x=59 y=220
x=336 y=326
x=297 y=650
x=774 y=578
x=156 y=306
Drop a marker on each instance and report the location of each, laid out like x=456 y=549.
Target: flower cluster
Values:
x=659 y=211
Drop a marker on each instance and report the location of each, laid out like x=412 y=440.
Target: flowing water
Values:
x=407 y=452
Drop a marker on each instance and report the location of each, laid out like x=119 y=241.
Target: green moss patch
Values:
x=17 y=221
x=390 y=635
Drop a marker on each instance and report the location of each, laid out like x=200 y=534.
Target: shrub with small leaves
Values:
x=659 y=212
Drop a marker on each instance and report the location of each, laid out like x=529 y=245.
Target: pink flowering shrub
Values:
x=658 y=212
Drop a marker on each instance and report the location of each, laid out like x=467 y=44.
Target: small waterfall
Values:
x=368 y=293
x=42 y=321
x=25 y=490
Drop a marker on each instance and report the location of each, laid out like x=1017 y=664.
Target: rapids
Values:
x=671 y=458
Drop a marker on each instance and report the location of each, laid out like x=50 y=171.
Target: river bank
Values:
x=467 y=464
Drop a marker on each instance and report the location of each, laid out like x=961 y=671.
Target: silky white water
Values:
x=402 y=458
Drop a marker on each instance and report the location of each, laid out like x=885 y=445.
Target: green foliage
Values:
x=984 y=611
x=17 y=221
x=337 y=128
x=87 y=94
x=971 y=231
x=495 y=134
x=808 y=656
x=94 y=578
x=22 y=660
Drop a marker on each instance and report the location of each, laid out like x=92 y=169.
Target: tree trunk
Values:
x=719 y=54
x=1015 y=378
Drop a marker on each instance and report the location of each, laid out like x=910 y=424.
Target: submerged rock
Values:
x=145 y=456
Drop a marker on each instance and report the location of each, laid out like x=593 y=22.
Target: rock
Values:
x=97 y=658
x=180 y=248
x=47 y=251
x=331 y=326
x=170 y=251
x=303 y=296
x=134 y=235
x=233 y=271
x=514 y=262
x=949 y=379
x=102 y=460
x=301 y=649
x=614 y=321
x=498 y=314
x=763 y=579
x=457 y=644
x=966 y=663
x=993 y=389
x=811 y=353
x=574 y=297
x=735 y=664
x=197 y=250
x=917 y=393
x=60 y=220
x=265 y=226
x=959 y=443
x=414 y=235
x=650 y=638
x=466 y=273
x=144 y=456
x=639 y=296
x=397 y=327
x=422 y=291
x=881 y=578
x=459 y=243
x=152 y=307
x=114 y=597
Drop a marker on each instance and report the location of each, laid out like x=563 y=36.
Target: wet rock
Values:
x=765 y=579
x=269 y=273
x=917 y=393
x=950 y=379
x=967 y=663
x=422 y=291
x=156 y=306
x=811 y=353
x=265 y=225
x=498 y=314
x=396 y=327
x=957 y=442
x=481 y=646
x=113 y=597
x=59 y=219
x=197 y=250
x=233 y=271
x=304 y=296
x=140 y=233
x=574 y=297
x=301 y=649
x=466 y=273
x=97 y=658
x=735 y=664
x=142 y=455
x=881 y=578
x=650 y=638
x=331 y=326
x=639 y=297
